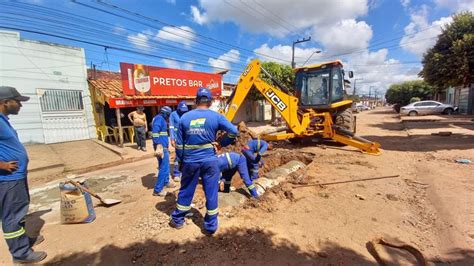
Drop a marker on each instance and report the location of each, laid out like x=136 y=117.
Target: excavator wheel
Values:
x=346 y=120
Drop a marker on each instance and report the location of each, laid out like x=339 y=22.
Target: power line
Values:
x=271 y=18
x=144 y=33
x=184 y=30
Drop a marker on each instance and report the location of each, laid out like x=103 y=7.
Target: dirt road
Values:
x=428 y=206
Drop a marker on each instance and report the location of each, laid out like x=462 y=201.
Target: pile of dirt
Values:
x=269 y=200
x=245 y=135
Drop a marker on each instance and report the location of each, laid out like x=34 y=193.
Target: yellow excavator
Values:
x=317 y=110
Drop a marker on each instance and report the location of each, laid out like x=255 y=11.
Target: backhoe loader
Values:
x=317 y=110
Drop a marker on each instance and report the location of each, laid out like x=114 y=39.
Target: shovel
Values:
x=106 y=202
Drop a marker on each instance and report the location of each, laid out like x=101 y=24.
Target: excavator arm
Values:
x=301 y=125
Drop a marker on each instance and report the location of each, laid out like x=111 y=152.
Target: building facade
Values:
x=55 y=77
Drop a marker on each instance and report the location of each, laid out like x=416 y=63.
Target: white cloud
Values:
x=197 y=16
x=378 y=71
x=345 y=36
x=259 y=17
x=170 y=63
x=420 y=35
x=456 y=5
x=284 y=52
x=171 y=2
x=182 y=34
x=140 y=40
x=405 y=3
x=224 y=60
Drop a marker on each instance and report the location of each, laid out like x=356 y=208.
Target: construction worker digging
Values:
x=197 y=158
x=229 y=164
x=253 y=153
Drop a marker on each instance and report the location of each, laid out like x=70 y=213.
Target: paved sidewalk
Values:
x=52 y=161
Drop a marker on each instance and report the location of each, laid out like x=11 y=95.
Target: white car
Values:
x=427 y=108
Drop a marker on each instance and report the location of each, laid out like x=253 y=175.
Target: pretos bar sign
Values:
x=145 y=80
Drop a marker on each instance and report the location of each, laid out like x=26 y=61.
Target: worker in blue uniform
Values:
x=253 y=153
x=161 y=145
x=174 y=120
x=14 y=194
x=229 y=164
x=195 y=148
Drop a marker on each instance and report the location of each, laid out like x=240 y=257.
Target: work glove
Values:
x=159 y=151
x=173 y=143
x=254 y=193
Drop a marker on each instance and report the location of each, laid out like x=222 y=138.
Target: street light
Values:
x=315 y=52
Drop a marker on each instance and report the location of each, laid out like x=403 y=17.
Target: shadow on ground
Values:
x=234 y=246
x=34 y=222
x=149 y=180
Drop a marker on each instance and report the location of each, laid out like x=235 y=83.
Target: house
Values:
x=55 y=78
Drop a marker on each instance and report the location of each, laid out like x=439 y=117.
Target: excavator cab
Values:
x=321 y=87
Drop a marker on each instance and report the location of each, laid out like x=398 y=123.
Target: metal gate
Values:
x=63 y=116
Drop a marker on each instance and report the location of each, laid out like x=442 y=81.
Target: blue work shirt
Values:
x=174 y=121
x=11 y=149
x=159 y=129
x=256 y=146
x=196 y=131
x=228 y=161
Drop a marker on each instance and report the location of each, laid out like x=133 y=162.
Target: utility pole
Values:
x=354 y=89
x=293 y=65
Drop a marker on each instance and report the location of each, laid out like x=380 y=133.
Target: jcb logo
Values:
x=247 y=70
x=276 y=100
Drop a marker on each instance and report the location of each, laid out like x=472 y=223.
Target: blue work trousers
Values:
x=210 y=174
x=14 y=202
x=253 y=169
x=163 y=177
x=176 y=172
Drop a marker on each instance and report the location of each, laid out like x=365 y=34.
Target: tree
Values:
x=451 y=61
x=400 y=94
x=283 y=74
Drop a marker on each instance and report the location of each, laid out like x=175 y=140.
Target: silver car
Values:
x=427 y=108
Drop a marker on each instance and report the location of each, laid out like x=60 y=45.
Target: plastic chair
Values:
x=104 y=132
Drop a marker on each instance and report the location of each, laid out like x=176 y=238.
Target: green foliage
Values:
x=282 y=73
x=415 y=99
x=402 y=93
x=451 y=61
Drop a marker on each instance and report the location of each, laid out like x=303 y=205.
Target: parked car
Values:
x=427 y=108
x=361 y=107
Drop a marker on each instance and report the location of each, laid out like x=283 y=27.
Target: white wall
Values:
x=31 y=65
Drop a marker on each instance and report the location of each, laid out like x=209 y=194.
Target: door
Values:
x=63 y=116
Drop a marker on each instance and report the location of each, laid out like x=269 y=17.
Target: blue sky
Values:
x=382 y=41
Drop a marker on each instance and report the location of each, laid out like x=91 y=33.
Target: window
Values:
x=337 y=89
x=61 y=100
x=315 y=88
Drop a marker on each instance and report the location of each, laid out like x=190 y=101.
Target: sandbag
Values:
x=76 y=205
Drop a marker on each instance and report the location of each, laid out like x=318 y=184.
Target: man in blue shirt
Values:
x=174 y=121
x=195 y=140
x=229 y=164
x=253 y=153
x=161 y=145
x=14 y=194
